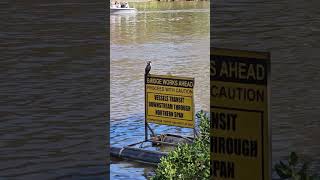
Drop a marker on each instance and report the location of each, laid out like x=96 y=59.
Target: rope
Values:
x=120 y=152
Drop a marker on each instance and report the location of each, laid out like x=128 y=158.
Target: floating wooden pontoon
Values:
x=147 y=156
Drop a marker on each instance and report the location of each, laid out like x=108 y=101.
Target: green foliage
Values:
x=188 y=161
x=174 y=5
x=294 y=169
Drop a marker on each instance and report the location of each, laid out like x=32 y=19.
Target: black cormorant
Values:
x=148 y=68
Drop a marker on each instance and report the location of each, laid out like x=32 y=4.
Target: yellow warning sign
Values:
x=169 y=100
x=239 y=100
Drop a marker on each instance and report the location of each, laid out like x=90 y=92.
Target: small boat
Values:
x=114 y=10
x=121 y=8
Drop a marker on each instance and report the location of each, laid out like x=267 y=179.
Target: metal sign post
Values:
x=169 y=101
x=145 y=109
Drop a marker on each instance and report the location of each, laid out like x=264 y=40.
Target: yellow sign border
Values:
x=192 y=98
x=171 y=76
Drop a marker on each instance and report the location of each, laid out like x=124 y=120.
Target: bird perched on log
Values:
x=148 y=68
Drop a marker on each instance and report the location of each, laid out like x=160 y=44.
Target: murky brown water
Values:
x=52 y=93
x=177 y=42
x=291 y=32
x=175 y=37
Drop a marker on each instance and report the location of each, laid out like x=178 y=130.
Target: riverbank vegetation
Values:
x=176 y=5
x=294 y=169
x=144 y=1
x=188 y=161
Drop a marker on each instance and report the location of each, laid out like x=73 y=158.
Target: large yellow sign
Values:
x=240 y=137
x=169 y=100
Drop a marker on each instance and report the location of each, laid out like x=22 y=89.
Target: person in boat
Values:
x=122 y=5
x=126 y=5
x=116 y=4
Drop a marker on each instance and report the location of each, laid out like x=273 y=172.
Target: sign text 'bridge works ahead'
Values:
x=169 y=100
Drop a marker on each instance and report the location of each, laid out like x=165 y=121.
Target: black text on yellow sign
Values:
x=169 y=100
x=240 y=141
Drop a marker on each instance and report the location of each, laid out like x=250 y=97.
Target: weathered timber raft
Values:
x=147 y=156
x=137 y=154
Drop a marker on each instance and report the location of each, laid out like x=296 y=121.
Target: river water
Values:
x=53 y=90
x=175 y=37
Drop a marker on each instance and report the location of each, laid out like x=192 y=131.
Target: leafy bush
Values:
x=294 y=169
x=188 y=161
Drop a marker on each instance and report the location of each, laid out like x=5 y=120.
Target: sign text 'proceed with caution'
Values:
x=240 y=138
x=169 y=100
